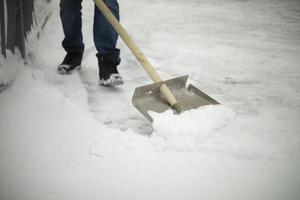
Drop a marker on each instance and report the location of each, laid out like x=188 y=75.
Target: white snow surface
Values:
x=195 y=124
x=67 y=138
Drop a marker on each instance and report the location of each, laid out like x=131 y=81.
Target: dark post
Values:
x=20 y=30
x=15 y=26
x=2 y=28
x=11 y=24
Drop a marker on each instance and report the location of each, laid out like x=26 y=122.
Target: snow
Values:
x=194 y=124
x=8 y=70
x=65 y=137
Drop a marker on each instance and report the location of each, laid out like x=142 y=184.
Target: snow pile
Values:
x=190 y=129
x=197 y=124
x=189 y=132
x=9 y=65
x=8 y=70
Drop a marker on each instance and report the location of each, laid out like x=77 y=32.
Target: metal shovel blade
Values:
x=149 y=98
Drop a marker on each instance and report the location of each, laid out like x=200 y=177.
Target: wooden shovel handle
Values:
x=137 y=53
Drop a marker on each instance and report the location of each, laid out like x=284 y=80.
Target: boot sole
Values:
x=63 y=71
x=114 y=80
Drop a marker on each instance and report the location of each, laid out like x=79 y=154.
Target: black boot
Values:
x=108 y=72
x=71 y=62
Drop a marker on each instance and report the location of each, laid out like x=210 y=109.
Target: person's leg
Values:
x=105 y=38
x=70 y=13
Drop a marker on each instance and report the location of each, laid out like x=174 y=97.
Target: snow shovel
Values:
x=161 y=95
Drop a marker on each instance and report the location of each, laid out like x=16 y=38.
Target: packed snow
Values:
x=193 y=124
x=66 y=137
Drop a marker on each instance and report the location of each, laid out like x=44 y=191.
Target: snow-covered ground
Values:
x=67 y=138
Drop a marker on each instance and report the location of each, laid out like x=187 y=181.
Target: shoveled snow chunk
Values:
x=197 y=124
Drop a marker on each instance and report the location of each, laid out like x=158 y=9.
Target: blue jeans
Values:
x=105 y=38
